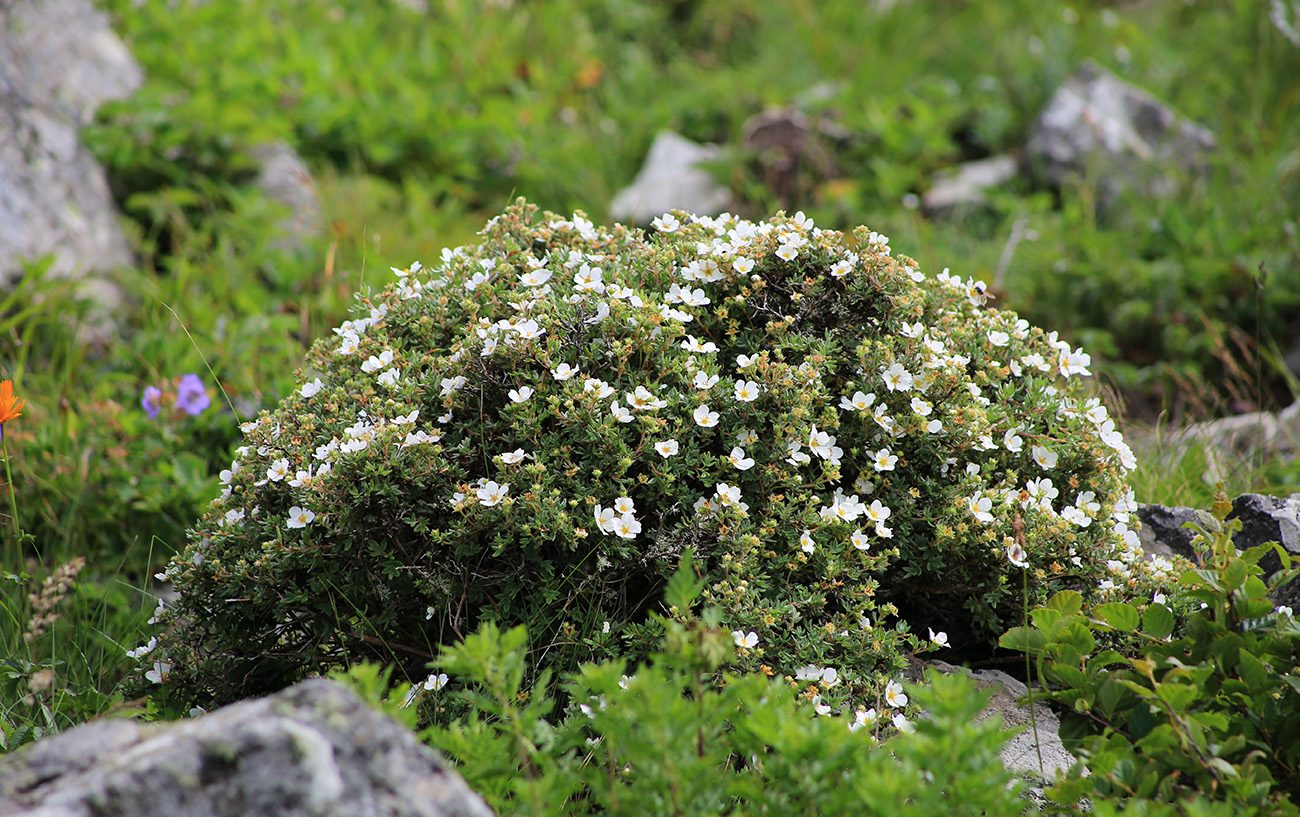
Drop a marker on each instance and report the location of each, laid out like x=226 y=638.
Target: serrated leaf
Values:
x=1179 y=696
x=1066 y=675
x=1119 y=615
x=1252 y=670
x=1066 y=602
x=1158 y=621
x=1234 y=575
x=684 y=587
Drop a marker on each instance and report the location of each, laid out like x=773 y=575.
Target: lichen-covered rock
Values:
x=534 y=430
x=316 y=749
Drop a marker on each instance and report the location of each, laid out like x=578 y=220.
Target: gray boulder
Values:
x=962 y=188
x=315 y=749
x=1263 y=518
x=1101 y=129
x=285 y=180
x=58 y=62
x=672 y=178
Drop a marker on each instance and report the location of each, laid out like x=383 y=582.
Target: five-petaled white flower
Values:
x=521 y=394
x=981 y=507
x=884 y=460
x=902 y=724
x=279 y=470
x=623 y=415
x=745 y=640
x=159 y=672
x=666 y=448
x=739 y=460
x=746 y=391
x=858 y=402
x=311 y=389
x=897 y=378
x=1045 y=457
x=745 y=361
x=435 y=682
x=692 y=344
x=513 y=457
x=894 y=695
x=564 y=371
x=1012 y=442
x=860 y=540
x=299 y=517
x=940 y=639
x=492 y=494
x=704 y=381
x=806 y=541
x=704 y=417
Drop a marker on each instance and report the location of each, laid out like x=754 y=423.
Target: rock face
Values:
x=1263 y=518
x=1103 y=129
x=58 y=62
x=672 y=179
x=962 y=187
x=315 y=749
x=285 y=179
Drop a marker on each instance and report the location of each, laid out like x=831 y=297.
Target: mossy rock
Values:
x=534 y=430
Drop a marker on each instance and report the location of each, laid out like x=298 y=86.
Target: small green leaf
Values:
x=684 y=587
x=1119 y=615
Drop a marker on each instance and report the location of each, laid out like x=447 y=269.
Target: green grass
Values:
x=418 y=125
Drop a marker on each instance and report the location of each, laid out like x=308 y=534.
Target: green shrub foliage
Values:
x=533 y=431
x=1207 y=709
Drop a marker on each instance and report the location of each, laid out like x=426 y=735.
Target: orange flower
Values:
x=9 y=409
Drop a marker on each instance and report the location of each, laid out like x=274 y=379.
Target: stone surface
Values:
x=1099 y=128
x=1263 y=518
x=672 y=179
x=285 y=179
x=58 y=62
x=1022 y=754
x=315 y=749
x=962 y=187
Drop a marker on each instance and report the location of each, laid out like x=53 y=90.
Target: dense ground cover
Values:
x=421 y=122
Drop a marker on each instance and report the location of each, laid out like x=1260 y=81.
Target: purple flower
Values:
x=152 y=394
x=192 y=395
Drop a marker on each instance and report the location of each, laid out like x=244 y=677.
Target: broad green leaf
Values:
x=1119 y=615
x=1158 y=621
x=1024 y=639
x=1234 y=575
x=1253 y=670
x=1066 y=602
x=1066 y=675
x=1179 y=696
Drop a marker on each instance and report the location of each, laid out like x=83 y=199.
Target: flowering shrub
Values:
x=534 y=430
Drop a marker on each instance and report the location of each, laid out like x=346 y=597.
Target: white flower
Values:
x=311 y=389
x=730 y=495
x=823 y=445
x=666 y=223
x=513 y=457
x=692 y=344
x=878 y=513
x=602 y=389
x=981 y=507
x=704 y=381
x=563 y=372
x=704 y=417
x=144 y=649
x=418 y=437
x=390 y=378
x=745 y=361
x=435 y=682
x=300 y=517
x=841 y=268
x=746 y=436
x=921 y=407
x=863 y=717
x=742 y=265
x=860 y=540
x=883 y=460
x=620 y=413
x=451 y=384
x=626 y=526
x=1045 y=457
x=1012 y=442
x=902 y=724
x=806 y=541
x=1016 y=555
x=667 y=448
x=897 y=378
x=941 y=639
x=859 y=401
x=159 y=672
x=739 y=460
x=279 y=470
x=492 y=494
x=787 y=252
x=643 y=400
x=746 y=391
x=997 y=338
x=894 y=695
x=745 y=640
x=589 y=279
x=535 y=278
x=521 y=394
x=605 y=520
x=349 y=345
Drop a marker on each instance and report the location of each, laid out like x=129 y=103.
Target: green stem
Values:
x=13 y=503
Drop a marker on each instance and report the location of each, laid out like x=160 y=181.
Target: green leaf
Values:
x=1066 y=602
x=1178 y=696
x=1024 y=639
x=1158 y=621
x=1234 y=575
x=1119 y=615
x=1252 y=669
x=684 y=587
